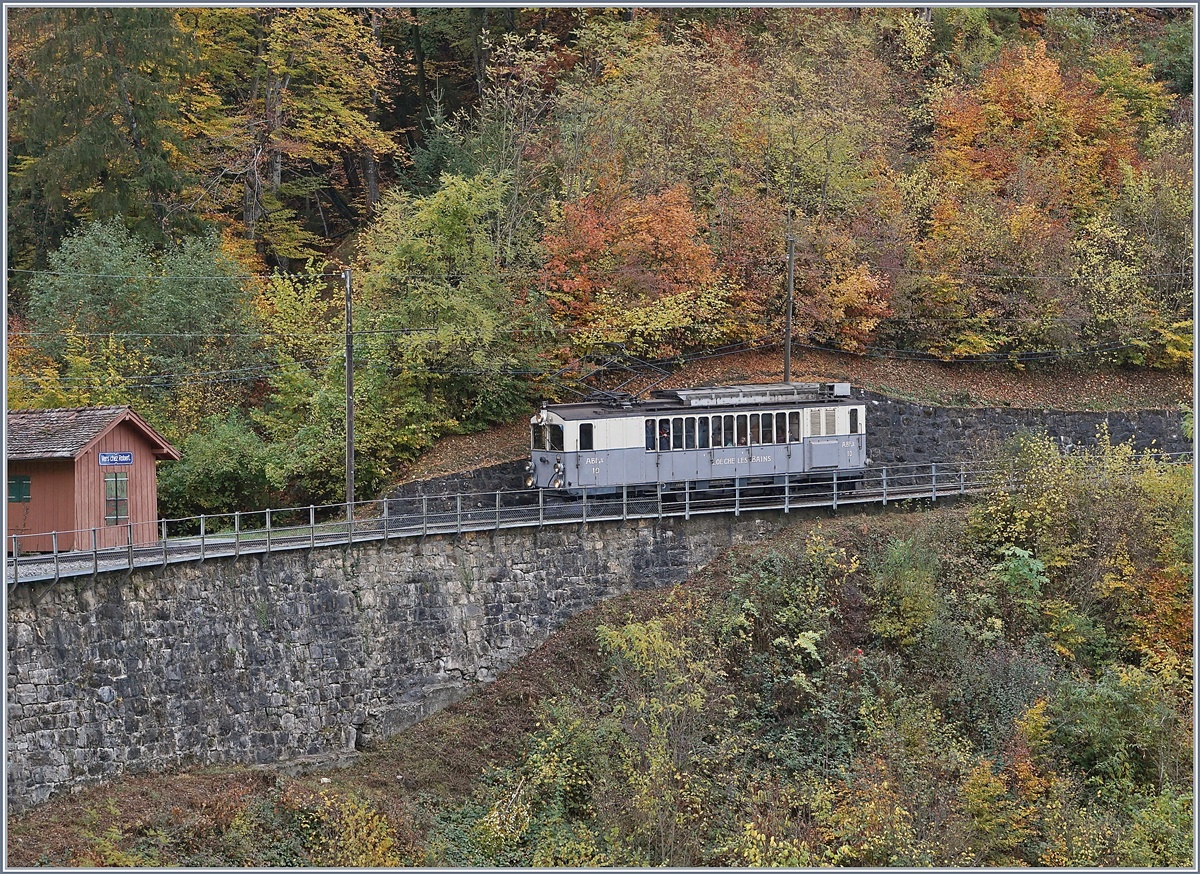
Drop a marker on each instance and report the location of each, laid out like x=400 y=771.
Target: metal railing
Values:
x=199 y=538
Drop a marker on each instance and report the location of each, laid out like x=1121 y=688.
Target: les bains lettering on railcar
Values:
x=744 y=437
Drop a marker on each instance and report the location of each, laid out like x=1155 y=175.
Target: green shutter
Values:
x=18 y=489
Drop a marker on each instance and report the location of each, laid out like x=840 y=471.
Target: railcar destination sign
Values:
x=107 y=458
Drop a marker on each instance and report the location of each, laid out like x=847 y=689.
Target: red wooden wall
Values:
x=51 y=505
x=143 y=489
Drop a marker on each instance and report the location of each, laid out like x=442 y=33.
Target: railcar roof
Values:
x=728 y=399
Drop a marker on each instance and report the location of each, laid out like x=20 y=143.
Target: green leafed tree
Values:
x=444 y=312
x=222 y=469
x=178 y=318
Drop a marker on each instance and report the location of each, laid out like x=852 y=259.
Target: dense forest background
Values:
x=517 y=192
x=513 y=191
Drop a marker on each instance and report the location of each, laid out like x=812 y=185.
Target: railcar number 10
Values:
x=703 y=438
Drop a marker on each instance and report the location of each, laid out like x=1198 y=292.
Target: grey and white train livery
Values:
x=756 y=436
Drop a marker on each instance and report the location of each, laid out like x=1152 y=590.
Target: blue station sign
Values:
x=107 y=458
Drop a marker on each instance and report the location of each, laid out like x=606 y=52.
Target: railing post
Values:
x=16 y=560
x=458 y=514
x=541 y=507
x=687 y=502
x=386 y=522
x=737 y=496
x=54 y=545
x=164 y=542
x=787 y=493
x=95 y=555
x=350 y=519
x=312 y=527
x=237 y=533
x=835 y=490
x=624 y=501
x=933 y=470
x=660 y=500
x=584 y=506
x=962 y=481
x=885 y=487
x=202 y=538
x=268 y=530
x=424 y=515
x=129 y=541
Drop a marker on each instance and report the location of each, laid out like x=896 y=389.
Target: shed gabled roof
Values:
x=66 y=433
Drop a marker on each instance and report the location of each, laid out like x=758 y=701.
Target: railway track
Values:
x=271 y=531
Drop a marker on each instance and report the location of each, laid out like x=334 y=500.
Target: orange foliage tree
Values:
x=1017 y=164
x=1032 y=134
x=636 y=271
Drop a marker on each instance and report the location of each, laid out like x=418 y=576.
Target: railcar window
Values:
x=854 y=421
x=831 y=421
x=650 y=435
x=794 y=426
x=702 y=432
x=717 y=439
x=585 y=437
x=677 y=433
x=728 y=425
x=768 y=430
x=689 y=432
x=742 y=430
x=755 y=435
x=534 y=433
x=664 y=435
x=556 y=438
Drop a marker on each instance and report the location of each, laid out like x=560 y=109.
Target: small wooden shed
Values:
x=82 y=470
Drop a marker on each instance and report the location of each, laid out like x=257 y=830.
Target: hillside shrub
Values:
x=904 y=589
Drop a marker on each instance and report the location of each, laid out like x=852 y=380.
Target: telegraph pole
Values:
x=787 y=321
x=349 y=403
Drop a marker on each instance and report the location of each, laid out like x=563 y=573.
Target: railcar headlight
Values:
x=557 y=482
x=529 y=467
x=529 y=481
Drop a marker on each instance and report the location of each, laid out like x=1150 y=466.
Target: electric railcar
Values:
x=758 y=436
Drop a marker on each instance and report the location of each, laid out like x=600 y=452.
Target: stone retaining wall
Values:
x=903 y=432
x=266 y=659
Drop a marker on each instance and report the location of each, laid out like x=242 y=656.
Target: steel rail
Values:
x=477 y=512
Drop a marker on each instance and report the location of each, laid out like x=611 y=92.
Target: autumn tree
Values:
x=1018 y=164
x=637 y=272
x=94 y=129
x=293 y=90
